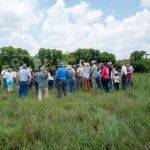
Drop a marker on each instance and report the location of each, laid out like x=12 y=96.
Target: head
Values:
x=24 y=66
x=87 y=65
x=61 y=65
x=42 y=69
x=104 y=64
x=128 y=65
x=109 y=63
x=69 y=67
x=93 y=62
x=9 y=70
x=122 y=63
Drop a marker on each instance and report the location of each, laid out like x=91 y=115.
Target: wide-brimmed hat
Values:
x=9 y=70
x=93 y=61
x=109 y=63
x=69 y=66
x=87 y=65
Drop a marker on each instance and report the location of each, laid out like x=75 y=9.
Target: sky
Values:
x=116 y=26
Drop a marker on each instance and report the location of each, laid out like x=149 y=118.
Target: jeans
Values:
x=50 y=84
x=62 y=87
x=4 y=83
x=110 y=83
x=23 y=88
x=124 y=81
x=71 y=86
x=99 y=82
x=36 y=86
x=105 y=84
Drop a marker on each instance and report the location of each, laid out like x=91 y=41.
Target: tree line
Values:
x=14 y=57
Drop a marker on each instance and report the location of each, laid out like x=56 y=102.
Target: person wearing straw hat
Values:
x=86 y=75
x=94 y=74
x=71 y=78
x=3 y=72
x=79 y=76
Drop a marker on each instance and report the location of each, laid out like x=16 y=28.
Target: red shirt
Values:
x=105 y=73
x=129 y=72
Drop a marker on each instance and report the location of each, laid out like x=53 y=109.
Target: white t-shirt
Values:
x=116 y=79
x=50 y=77
x=3 y=73
x=123 y=70
x=9 y=76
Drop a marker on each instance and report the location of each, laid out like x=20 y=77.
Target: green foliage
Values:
x=88 y=55
x=140 y=63
x=50 y=57
x=86 y=121
x=14 y=57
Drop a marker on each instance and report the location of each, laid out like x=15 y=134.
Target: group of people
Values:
x=70 y=78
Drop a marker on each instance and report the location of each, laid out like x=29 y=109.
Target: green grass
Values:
x=81 y=121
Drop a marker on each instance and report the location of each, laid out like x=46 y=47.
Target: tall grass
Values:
x=86 y=121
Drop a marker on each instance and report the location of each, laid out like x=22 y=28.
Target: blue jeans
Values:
x=36 y=86
x=124 y=81
x=99 y=83
x=4 y=83
x=50 y=84
x=23 y=88
x=71 y=86
x=110 y=83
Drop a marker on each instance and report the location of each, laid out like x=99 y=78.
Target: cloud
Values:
x=145 y=3
x=30 y=25
x=81 y=26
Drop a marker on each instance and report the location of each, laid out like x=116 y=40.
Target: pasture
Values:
x=80 y=121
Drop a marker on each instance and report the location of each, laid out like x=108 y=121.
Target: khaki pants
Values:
x=42 y=93
x=86 y=84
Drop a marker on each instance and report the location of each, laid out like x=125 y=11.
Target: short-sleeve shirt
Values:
x=124 y=70
x=42 y=80
x=24 y=75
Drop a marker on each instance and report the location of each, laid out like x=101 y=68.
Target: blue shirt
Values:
x=62 y=74
x=24 y=75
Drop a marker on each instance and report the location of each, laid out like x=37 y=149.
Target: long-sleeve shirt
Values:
x=62 y=74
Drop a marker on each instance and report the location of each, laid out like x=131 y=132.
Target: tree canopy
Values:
x=15 y=57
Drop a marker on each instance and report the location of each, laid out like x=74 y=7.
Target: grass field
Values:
x=81 y=121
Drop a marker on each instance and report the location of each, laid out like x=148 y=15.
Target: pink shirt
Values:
x=105 y=73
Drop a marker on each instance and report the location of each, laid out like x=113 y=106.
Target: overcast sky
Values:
x=115 y=26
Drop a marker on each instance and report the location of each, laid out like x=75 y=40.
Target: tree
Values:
x=14 y=57
x=88 y=55
x=137 y=56
x=50 y=57
x=140 y=63
x=107 y=57
x=42 y=54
